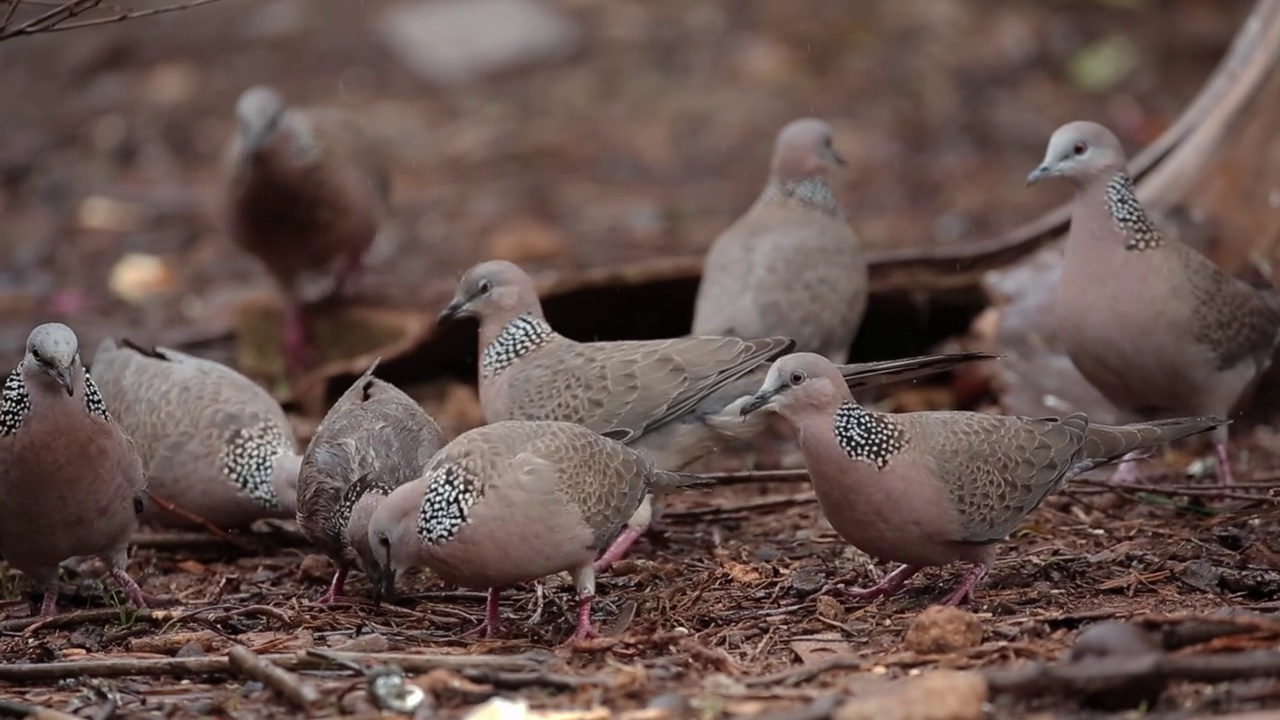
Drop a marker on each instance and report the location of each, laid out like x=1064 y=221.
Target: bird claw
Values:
x=887 y=587
x=585 y=629
x=336 y=588
x=618 y=549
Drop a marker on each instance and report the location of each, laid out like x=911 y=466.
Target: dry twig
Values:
x=55 y=20
x=306 y=660
x=300 y=693
x=1105 y=673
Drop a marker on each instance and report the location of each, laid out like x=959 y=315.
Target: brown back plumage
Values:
x=306 y=193
x=212 y=441
x=791 y=265
x=374 y=439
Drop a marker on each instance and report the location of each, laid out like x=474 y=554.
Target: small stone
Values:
x=315 y=567
x=807 y=581
x=452 y=42
x=191 y=649
x=828 y=608
x=1114 y=638
x=939 y=695
x=139 y=276
x=767 y=553
x=943 y=629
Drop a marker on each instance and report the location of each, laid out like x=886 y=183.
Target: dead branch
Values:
x=1108 y=673
x=765 y=503
x=744 y=477
x=410 y=662
x=80 y=617
x=806 y=672
x=13 y=709
x=306 y=660
x=1228 y=493
x=56 y=20
x=300 y=693
x=191 y=517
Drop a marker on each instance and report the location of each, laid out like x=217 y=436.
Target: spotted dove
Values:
x=677 y=399
x=70 y=481
x=791 y=265
x=307 y=192
x=1153 y=324
x=515 y=501
x=931 y=488
x=213 y=442
x=373 y=440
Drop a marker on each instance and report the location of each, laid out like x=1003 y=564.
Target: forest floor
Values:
x=644 y=144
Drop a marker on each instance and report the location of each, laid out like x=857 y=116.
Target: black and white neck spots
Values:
x=93 y=399
x=249 y=460
x=1127 y=213
x=812 y=192
x=452 y=490
x=14 y=403
x=868 y=436
x=520 y=337
x=363 y=486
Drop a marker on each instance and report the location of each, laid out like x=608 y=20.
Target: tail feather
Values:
x=144 y=351
x=665 y=481
x=1104 y=443
x=860 y=375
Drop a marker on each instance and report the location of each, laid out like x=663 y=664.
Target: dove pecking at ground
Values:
x=306 y=194
x=791 y=265
x=374 y=439
x=214 y=443
x=1154 y=325
x=515 y=501
x=931 y=488
x=676 y=399
x=70 y=482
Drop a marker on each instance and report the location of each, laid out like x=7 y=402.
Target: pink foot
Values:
x=49 y=605
x=618 y=549
x=585 y=629
x=297 y=349
x=1225 y=476
x=888 y=587
x=335 y=588
x=1127 y=469
x=131 y=589
x=492 y=625
x=967 y=584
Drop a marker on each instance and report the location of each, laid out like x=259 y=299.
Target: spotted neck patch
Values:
x=249 y=460
x=452 y=490
x=14 y=403
x=93 y=399
x=356 y=491
x=867 y=436
x=812 y=192
x=1130 y=219
x=520 y=337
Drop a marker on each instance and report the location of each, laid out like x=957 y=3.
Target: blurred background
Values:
x=570 y=136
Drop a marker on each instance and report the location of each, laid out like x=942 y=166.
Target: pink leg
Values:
x=966 y=586
x=492 y=625
x=888 y=587
x=335 y=588
x=297 y=349
x=49 y=605
x=619 y=548
x=131 y=589
x=585 y=630
x=1225 y=476
x=1127 y=468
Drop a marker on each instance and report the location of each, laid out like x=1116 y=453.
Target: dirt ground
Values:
x=644 y=144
